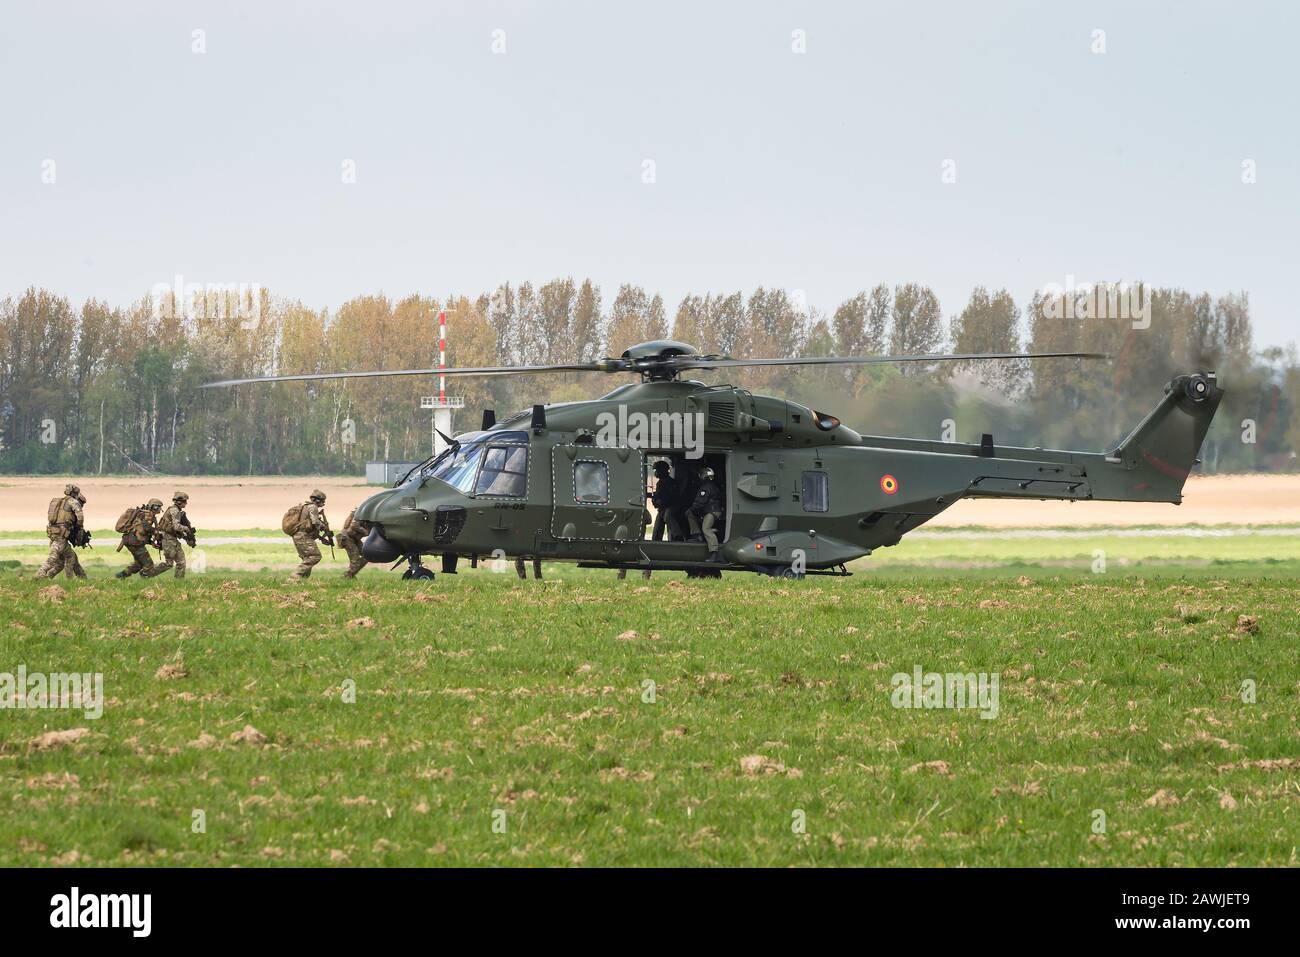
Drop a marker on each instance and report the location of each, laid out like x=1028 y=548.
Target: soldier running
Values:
x=173 y=528
x=139 y=530
x=350 y=538
x=312 y=526
x=64 y=522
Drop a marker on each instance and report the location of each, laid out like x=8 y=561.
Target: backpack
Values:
x=291 y=524
x=58 y=513
x=126 y=521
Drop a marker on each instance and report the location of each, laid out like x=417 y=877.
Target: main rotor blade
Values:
x=676 y=363
x=704 y=362
x=482 y=370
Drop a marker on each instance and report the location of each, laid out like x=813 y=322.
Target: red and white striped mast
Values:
x=440 y=403
x=442 y=356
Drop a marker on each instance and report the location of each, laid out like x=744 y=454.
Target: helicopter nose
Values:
x=377 y=548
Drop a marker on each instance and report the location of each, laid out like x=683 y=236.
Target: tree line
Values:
x=109 y=389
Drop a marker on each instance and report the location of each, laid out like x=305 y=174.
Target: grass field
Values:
x=505 y=722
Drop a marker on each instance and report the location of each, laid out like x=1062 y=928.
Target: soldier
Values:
x=519 y=567
x=312 y=527
x=173 y=527
x=706 y=511
x=350 y=538
x=64 y=521
x=666 y=500
x=139 y=531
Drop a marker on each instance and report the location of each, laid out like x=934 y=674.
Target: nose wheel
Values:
x=415 y=571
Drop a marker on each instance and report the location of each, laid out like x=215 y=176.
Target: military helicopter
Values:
x=802 y=492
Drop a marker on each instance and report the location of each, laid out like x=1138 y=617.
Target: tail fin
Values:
x=1152 y=464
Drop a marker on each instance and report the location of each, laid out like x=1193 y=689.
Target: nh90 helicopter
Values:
x=802 y=492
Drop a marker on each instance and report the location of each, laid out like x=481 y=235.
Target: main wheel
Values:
x=418 y=574
x=789 y=572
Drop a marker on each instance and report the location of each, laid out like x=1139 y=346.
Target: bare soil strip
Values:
x=237 y=502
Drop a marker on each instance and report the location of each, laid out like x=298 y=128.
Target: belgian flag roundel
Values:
x=888 y=484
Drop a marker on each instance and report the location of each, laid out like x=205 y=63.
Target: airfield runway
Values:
x=225 y=503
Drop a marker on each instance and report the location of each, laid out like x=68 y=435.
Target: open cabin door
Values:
x=599 y=493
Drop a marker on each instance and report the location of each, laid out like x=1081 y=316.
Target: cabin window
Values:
x=816 y=492
x=504 y=472
x=591 y=482
x=824 y=421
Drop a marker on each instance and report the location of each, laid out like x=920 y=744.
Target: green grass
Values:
x=950 y=554
x=480 y=695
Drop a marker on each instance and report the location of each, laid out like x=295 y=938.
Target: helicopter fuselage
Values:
x=803 y=492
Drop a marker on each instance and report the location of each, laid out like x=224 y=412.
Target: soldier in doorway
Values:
x=707 y=511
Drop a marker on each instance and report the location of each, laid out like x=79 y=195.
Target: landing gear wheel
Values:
x=790 y=573
x=704 y=573
x=415 y=571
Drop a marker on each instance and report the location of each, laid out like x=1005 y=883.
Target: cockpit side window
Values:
x=458 y=465
x=504 y=472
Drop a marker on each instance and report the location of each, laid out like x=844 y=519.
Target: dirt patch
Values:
x=235 y=502
x=1210 y=500
x=216 y=502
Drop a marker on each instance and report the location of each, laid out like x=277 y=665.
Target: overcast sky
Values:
x=509 y=141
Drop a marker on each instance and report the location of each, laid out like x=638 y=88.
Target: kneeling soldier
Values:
x=350 y=538
x=311 y=527
x=63 y=523
x=173 y=527
x=138 y=527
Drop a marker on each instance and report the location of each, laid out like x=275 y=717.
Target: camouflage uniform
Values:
x=139 y=537
x=312 y=526
x=67 y=516
x=349 y=540
x=172 y=527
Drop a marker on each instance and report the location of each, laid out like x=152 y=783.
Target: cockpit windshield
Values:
x=458 y=465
